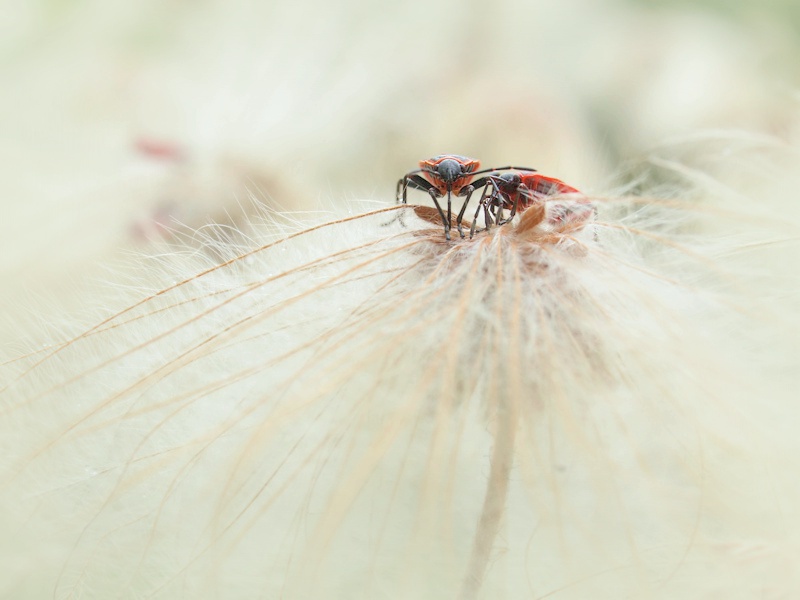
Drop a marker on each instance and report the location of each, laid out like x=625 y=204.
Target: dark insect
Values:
x=450 y=175
x=516 y=192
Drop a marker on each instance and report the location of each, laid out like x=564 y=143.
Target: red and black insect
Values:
x=450 y=175
x=516 y=192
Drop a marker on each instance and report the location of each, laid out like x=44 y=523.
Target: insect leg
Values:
x=416 y=182
x=449 y=215
x=487 y=216
x=520 y=190
x=481 y=202
x=409 y=180
x=470 y=189
x=514 y=203
x=498 y=215
x=432 y=192
x=402 y=188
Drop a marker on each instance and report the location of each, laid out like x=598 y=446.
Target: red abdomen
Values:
x=540 y=186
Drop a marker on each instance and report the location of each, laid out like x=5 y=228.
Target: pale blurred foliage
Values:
x=311 y=101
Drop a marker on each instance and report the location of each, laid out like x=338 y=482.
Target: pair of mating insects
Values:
x=513 y=188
